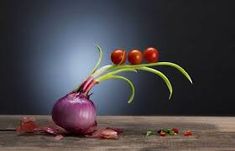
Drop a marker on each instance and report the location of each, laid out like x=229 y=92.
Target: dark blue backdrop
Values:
x=48 y=47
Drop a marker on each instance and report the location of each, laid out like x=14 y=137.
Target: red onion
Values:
x=75 y=113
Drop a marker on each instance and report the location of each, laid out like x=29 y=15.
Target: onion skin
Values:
x=75 y=113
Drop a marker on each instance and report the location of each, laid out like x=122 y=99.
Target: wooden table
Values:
x=209 y=134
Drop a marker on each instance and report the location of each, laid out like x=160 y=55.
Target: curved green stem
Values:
x=86 y=80
x=114 y=72
x=160 y=74
x=101 y=70
x=121 y=78
x=99 y=60
x=179 y=68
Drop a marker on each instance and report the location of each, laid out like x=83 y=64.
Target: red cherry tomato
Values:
x=118 y=56
x=135 y=56
x=151 y=55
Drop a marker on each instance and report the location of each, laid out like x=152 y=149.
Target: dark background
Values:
x=48 y=47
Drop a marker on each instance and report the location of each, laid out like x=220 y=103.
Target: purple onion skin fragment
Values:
x=75 y=113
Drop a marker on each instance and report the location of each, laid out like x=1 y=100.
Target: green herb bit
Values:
x=172 y=133
x=149 y=133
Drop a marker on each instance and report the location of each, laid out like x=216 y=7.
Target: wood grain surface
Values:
x=209 y=134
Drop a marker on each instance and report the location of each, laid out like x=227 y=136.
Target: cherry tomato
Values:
x=118 y=56
x=135 y=56
x=151 y=55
